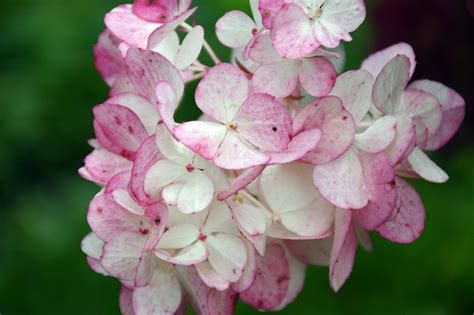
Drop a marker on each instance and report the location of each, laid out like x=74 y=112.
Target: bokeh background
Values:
x=48 y=86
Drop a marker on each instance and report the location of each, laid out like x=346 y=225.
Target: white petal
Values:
x=227 y=255
x=179 y=236
x=426 y=168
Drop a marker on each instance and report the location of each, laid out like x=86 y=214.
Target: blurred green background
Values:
x=48 y=86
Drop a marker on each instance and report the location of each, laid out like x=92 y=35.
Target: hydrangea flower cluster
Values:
x=290 y=164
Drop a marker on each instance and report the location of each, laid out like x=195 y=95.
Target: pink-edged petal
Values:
x=222 y=91
x=158 y=214
x=197 y=193
x=298 y=147
x=268 y=10
x=235 y=153
x=146 y=69
x=405 y=140
x=125 y=301
x=190 y=48
x=264 y=122
x=426 y=168
x=314 y=252
x=292 y=32
x=161 y=296
x=227 y=255
x=188 y=256
x=108 y=60
x=101 y=165
x=210 y=277
x=390 y=84
x=272 y=280
x=121 y=126
x=377 y=61
x=204 y=138
x=378 y=136
x=342 y=182
x=122 y=197
x=343 y=250
x=354 y=88
x=167 y=103
x=122 y=254
x=453 y=107
x=277 y=79
x=408 y=220
x=261 y=50
x=155 y=10
x=242 y=181
x=317 y=76
x=147 y=155
x=124 y=24
x=235 y=29
x=141 y=107
x=171 y=149
x=119 y=181
x=337 y=125
x=250 y=271
x=250 y=219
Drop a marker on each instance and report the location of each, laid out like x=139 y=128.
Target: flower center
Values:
x=238 y=198
x=315 y=11
x=190 y=168
x=233 y=125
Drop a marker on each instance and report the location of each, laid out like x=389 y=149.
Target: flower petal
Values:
x=378 y=136
x=241 y=182
x=317 y=76
x=102 y=165
x=298 y=147
x=190 y=48
x=314 y=252
x=227 y=255
x=235 y=29
x=377 y=61
x=426 y=168
x=178 y=237
x=210 y=277
x=277 y=79
x=197 y=193
x=108 y=60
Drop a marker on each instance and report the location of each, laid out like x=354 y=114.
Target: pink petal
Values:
x=108 y=60
x=354 y=88
x=221 y=92
x=121 y=85
x=125 y=301
x=298 y=147
x=167 y=103
x=453 y=107
x=210 y=277
x=342 y=182
x=102 y=165
x=314 y=252
x=250 y=271
x=297 y=279
x=155 y=10
x=277 y=79
x=236 y=154
x=124 y=24
x=146 y=69
x=204 y=138
x=378 y=136
x=390 y=84
x=408 y=220
x=343 y=250
x=242 y=181
x=235 y=29
x=337 y=125
x=121 y=126
x=261 y=50
x=272 y=280
x=264 y=122
x=317 y=76
x=405 y=140
x=269 y=9
x=147 y=155
x=377 y=61
x=292 y=32
x=221 y=303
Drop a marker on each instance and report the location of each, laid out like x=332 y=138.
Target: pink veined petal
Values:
x=426 y=168
x=119 y=181
x=222 y=91
x=424 y=109
x=342 y=182
x=292 y=32
x=146 y=69
x=343 y=250
x=179 y=237
x=197 y=193
x=188 y=256
x=210 y=277
x=242 y=181
x=378 y=136
x=161 y=296
x=167 y=103
x=390 y=84
x=453 y=107
x=354 y=88
x=145 y=111
x=264 y=122
x=298 y=147
x=190 y=48
x=317 y=76
x=408 y=220
x=125 y=301
x=158 y=214
x=297 y=279
x=377 y=61
x=227 y=255
x=155 y=10
x=121 y=126
x=261 y=50
x=287 y=187
x=380 y=178
x=102 y=165
x=268 y=9
x=405 y=140
x=108 y=60
x=124 y=24
x=236 y=154
x=337 y=125
x=159 y=34
x=272 y=280
x=122 y=254
x=204 y=138
x=235 y=29
x=92 y=246
x=250 y=271
x=277 y=79
x=314 y=252
x=221 y=302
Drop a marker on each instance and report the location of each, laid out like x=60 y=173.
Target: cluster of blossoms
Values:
x=290 y=164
